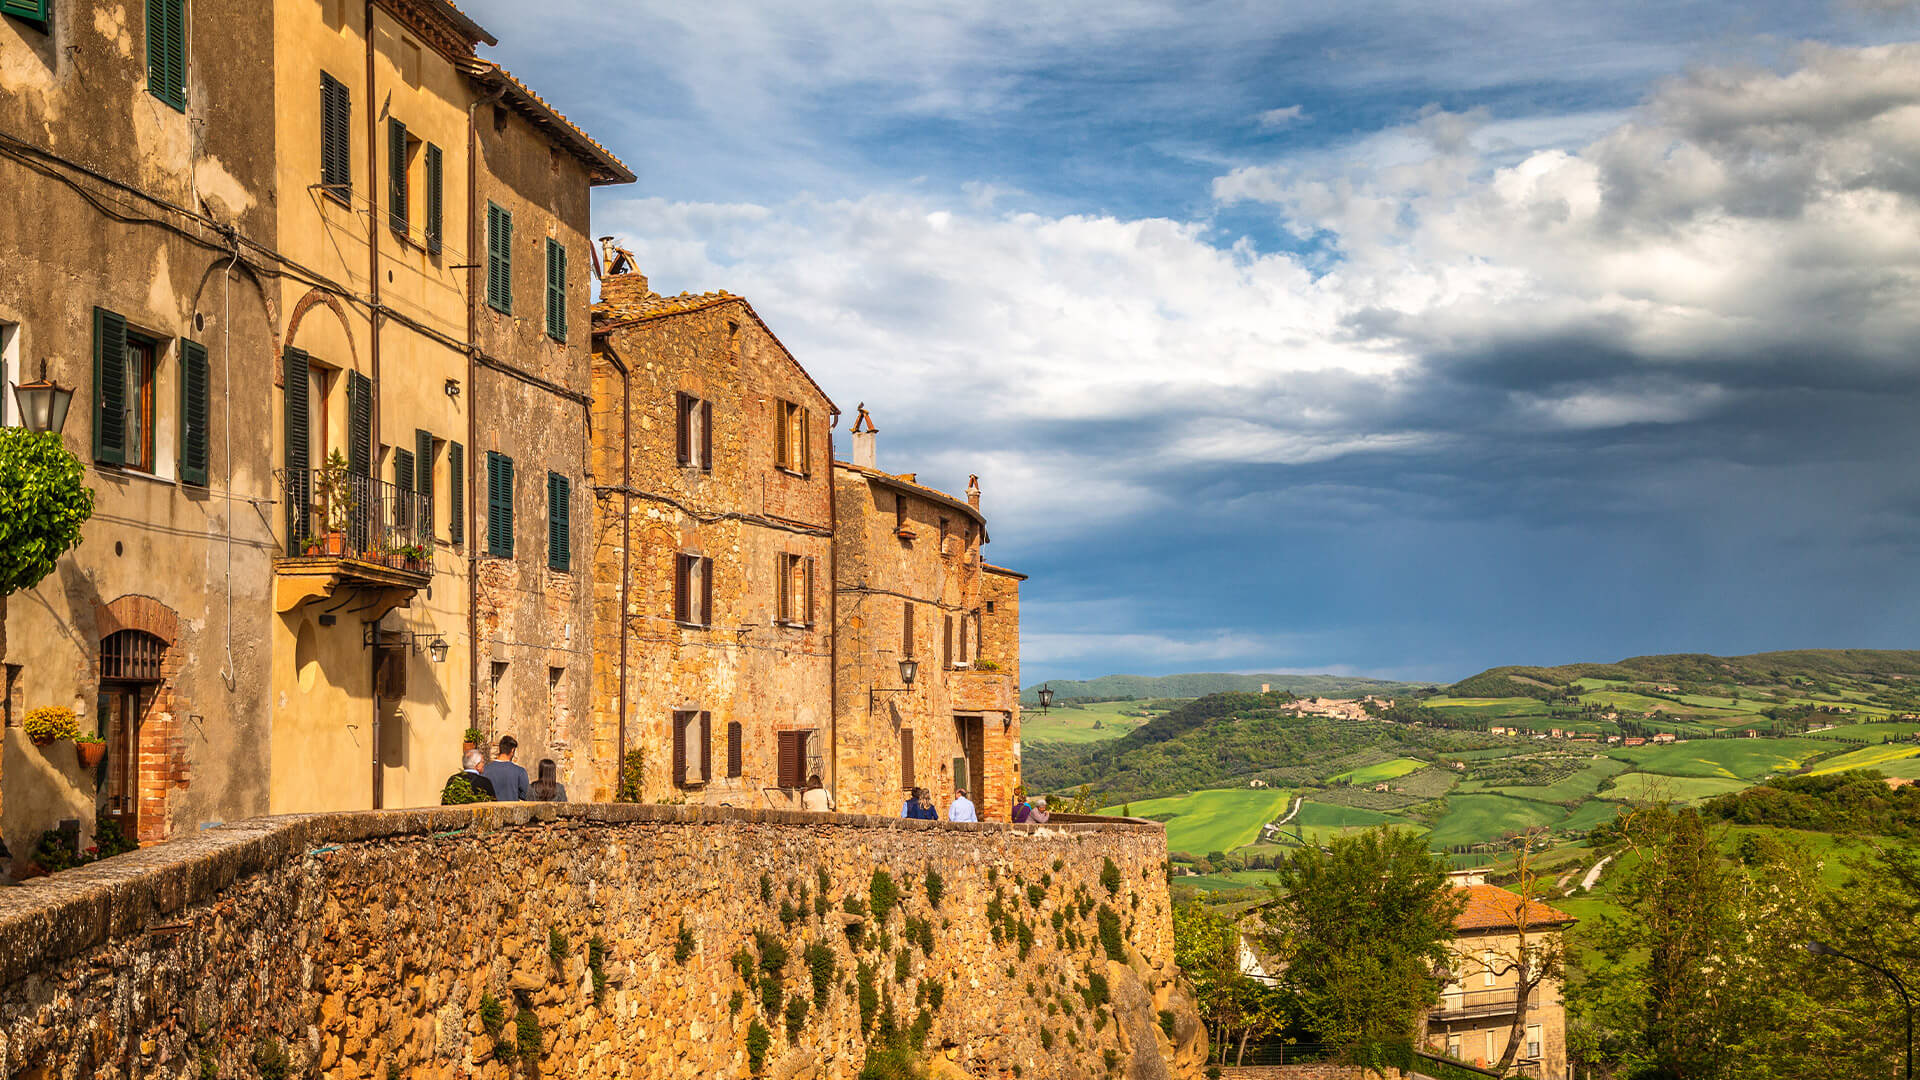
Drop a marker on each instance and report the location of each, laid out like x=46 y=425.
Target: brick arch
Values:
x=241 y=267
x=315 y=297
x=133 y=612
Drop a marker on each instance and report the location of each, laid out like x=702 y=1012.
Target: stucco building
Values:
x=255 y=235
x=910 y=582
x=1478 y=1009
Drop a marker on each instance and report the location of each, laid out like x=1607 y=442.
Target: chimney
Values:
x=621 y=290
x=863 y=433
x=973 y=492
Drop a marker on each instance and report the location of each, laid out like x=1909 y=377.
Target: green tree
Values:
x=1365 y=925
x=43 y=502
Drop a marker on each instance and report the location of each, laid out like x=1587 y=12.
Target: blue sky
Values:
x=1399 y=338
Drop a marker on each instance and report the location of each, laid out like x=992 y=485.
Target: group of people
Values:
x=919 y=806
x=501 y=780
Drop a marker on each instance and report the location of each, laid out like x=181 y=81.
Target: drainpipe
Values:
x=833 y=622
x=373 y=345
x=473 y=400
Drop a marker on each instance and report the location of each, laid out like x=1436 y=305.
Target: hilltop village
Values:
x=377 y=480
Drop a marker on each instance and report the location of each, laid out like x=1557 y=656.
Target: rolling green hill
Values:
x=1865 y=671
x=1200 y=684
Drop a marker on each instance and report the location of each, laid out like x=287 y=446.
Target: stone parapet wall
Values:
x=364 y=945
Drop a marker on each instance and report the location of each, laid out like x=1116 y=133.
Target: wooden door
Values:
x=118 y=778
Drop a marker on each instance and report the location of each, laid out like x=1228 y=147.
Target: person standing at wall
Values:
x=509 y=780
x=548 y=788
x=1022 y=809
x=962 y=807
x=817 y=798
x=475 y=778
x=919 y=806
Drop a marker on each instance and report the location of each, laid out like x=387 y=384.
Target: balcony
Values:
x=974 y=690
x=355 y=534
x=1476 y=1004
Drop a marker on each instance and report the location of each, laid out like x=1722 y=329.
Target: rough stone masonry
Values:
x=501 y=941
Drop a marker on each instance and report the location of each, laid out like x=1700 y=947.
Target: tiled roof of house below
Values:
x=992 y=569
x=605 y=168
x=1490 y=907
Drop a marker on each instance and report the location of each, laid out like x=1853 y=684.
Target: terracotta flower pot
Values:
x=336 y=543
x=42 y=740
x=90 y=754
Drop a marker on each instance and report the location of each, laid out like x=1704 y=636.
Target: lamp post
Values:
x=43 y=403
x=1821 y=948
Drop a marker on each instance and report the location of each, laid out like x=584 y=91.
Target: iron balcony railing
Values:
x=345 y=515
x=1462 y=1005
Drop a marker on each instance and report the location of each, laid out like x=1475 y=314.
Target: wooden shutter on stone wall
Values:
x=559 y=522
x=457 y=493
x=435 y=223
x=336 y=137
x=683 y=588
x=946 y=643
x=556 y=290
x=109 y=387
x=167 y=51
x=906 y=629
x=402 y=469
x=499 y=505
x=683 y=428
x=780 y=408
x=706 y=592
x=196 y=411
x=792 y=760
x=397 y=176
x=706 y=436
x=299 y=460
x=31 y=10
x=734 y=749
x=359 y=424
x=906 y=758
x=423 y=482
x=706 y=746
x=680 y=748
x=809 y=596
x=499 y=259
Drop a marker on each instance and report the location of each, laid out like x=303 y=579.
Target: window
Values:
x=10 y=714
x=556 y=290
x=793 y=759
x=989 y=607
x=796 y=590
x=167 y=51
x=906 y=629
x=499 y=259
x=499 y=505
x=733 y=750
x=1453 y=1047
x=456 y=493
x=123 y=380
x=497 y=675
x=336 y=138
x=692 y=590
x=403 y=471
x=196 y=411
x=692 y=748
x=1487 y=976
x=35 y=11
x=1533 y=1041
x=900 y=517
x=792 y=437
x=559 y=522
x=297 y=406
x=398 y=154
x=906 y=759
x=693 y=432
x=435 y=208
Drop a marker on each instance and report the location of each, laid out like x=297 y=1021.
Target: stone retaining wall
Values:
x=364 y=945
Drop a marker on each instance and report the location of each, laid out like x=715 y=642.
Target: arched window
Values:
x=131 y=656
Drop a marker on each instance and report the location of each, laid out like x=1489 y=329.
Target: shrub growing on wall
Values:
x=43 y=503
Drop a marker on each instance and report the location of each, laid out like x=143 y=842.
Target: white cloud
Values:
x=1275 y=119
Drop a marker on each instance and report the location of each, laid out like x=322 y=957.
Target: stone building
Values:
x=909 y=583
x=713 y=629
x=1478 y=1009
x=377 y=240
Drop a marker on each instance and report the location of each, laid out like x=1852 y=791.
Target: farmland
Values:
x=1216 y=820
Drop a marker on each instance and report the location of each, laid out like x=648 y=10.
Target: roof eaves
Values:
x=992 y=569
x=912 y=488
x=466 y=24
x=624 y=321
x=604 y=167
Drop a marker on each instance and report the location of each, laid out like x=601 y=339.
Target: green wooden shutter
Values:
x=499 y=505
x=457 y=493
x=359 y=424
x=397 y=176
x=109 y=387
x=402 y=469
x=299 y=460
x=499 y=259
x=32 y=10
x=436 y=208
x=336 y=138
x=167 y=51
x=422 y=481
x=559 y=522
x=196 y=409
x=556 y=291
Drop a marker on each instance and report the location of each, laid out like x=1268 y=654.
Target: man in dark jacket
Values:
x=510 y=782
x=472 y=774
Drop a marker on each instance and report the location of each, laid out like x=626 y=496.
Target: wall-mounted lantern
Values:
x=43 y=403
x=1046 y=698
x=909 y=669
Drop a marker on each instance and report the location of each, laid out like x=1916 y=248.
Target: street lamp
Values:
x=1821 y=948
x=43 y=403
x=1046 y=698
x=437 y=649
x=909 y=668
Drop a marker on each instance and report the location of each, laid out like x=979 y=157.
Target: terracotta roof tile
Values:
x=1490 y=907
x=608 y=169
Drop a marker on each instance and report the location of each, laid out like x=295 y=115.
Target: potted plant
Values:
x=333 y=486
x=471 y=740
x=415 y=556
x=50 y=723
x=91 y=750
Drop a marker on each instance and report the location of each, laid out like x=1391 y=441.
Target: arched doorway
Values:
x=130 y=665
